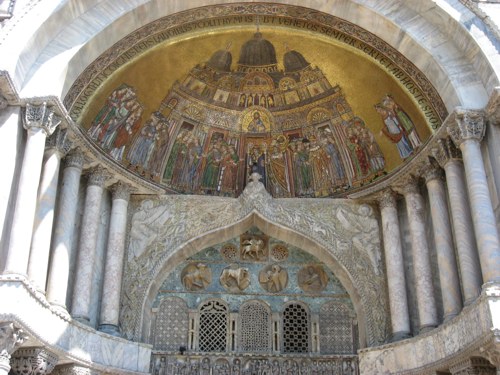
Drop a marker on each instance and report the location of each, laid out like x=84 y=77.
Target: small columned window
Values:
x=255 y=323
x=213 y=326
x=336 y=327
x=296 y=331
x=170 y=331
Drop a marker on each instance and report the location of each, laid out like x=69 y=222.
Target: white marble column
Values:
x=57 y=282
x=57 y=146
x=443 y=240
x=40 y=122
x=467 y=133
x=426 y=303
x=11 y=338
x=113 y=271
x=449 y=157
x=395 y=267
x=87 y=246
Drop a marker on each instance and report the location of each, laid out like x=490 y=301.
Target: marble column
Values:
x=395 y=268
x=426 y=303
x=57 y=281
x=110 y=301
x=449 y=157
x=11 y=338
x=58 y=145
x=467 y=133
x=32 y=361
x=443 y=240
x=87 y=246
x=40 y=122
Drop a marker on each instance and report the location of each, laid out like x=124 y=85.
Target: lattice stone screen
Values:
x=336 y=329
x=295 y=329
x=171 y=325
x=213 y=327
x=255 y=331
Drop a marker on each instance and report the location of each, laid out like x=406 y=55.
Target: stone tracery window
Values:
x=336 y=329
x=255 y=327
x=213 y=326
x=295 y=328
x=171 y=325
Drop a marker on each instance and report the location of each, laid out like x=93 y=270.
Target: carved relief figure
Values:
x=273 y=278
x=253 y=249
x=234 y=278
x=196 y=276
x=312 y=278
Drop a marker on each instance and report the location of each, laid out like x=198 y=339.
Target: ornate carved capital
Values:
x=59 y=142
x=97 y=176
x=121 y=190
x=446 y=151
x=32 y=361
x=468 y=125
x=409 y=185
x=11 y=338
x=39 y=116
x=387 y=199
x=74 y=159
x=474 y=365
x=73 y=370
x=430 y=172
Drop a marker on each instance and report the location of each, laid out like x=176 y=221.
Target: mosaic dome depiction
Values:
x=197 y=111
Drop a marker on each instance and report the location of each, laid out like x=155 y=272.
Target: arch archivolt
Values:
x=166 y=230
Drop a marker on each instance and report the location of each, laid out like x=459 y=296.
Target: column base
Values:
x=110 y=329
x=425 y=329
x=398 y=336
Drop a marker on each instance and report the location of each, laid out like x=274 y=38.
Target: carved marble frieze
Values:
x=166 y=226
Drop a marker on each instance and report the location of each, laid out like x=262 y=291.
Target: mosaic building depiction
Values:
x=250 y=187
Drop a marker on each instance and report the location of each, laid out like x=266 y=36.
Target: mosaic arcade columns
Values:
x=443 y=240
x=395 y=267
x=38 y=263
x=114 y=260
x=467 y=133
x=57 y=282
x=40 y=122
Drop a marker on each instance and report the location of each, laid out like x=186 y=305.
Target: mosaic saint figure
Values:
x=330 y=146
x=375 y=155
x=279 y=183
x=360 y=157
x=175 y=153
x=256 y=125
x=124 y=133
x=257 y=163
x=194 y=157
x=403 y=119
x=302 y=169
x=160 y=148
x=143 y=145
x=394 y=131
x=211 y=173
x=319 y=162
x=229 y=170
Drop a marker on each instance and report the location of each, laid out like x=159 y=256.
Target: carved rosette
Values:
x=121 y=191
x=387 y=199
x=37 y=361
x=39 y=116
x=73 y=370
x=446 y=151
x=469 y=125
x=59 y=142
x=97 y=177
x=74 y=159
x=11 y=338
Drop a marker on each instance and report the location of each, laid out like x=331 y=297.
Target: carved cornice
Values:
x=469 y=125
x=446 y=151
x=59 y=142
x=41 y=117
x=121 y=190
x=36 y=361
x=97 y=176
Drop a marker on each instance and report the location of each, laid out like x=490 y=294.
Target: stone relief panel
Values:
x=312 y=278
x=196 y=276
x=161 y=227
x=234 y=278
x=273 y=278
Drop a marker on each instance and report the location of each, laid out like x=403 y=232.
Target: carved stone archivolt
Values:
x=196 y=276
x=273 y=278
x=235 y=279
x=312 y=278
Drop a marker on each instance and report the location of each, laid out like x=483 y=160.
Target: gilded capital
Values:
x=469 y=125
x=42 y=117
x=33 y=361
x=387 y=199
x=121 y=190
x=59 y=142
x=446 y=151
x=97 y=176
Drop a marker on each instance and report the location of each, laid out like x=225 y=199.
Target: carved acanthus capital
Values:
x=446 y=151
x=409 y=185
x=387 y=199
x=59 y=142
x=73 y=370
x=74 y=159
x=41 y=117
x=97 y=176
x=11 y=338
x=121 y=190
x=33 y=361
x=430 y=172
x=469 y=125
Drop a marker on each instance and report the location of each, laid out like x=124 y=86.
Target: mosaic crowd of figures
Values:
x=175 y=364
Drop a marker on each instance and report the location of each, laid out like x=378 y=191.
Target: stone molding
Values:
x=72 y=341
x=33 y=361
x=446 y=151
x=59 y=142
x=11 y=337
x=39 y=116
x=469 y=125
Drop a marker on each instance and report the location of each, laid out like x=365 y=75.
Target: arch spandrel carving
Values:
x=189 y=224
